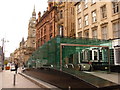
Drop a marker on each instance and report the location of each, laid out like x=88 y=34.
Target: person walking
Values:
x=16 y=67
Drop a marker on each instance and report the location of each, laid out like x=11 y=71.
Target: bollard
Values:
x=14 y=79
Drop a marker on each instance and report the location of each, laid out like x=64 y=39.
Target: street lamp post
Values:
x=3 y=52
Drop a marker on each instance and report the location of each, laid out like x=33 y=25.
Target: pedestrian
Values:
x=16 y=67
x=23 y=66
x=2 y=67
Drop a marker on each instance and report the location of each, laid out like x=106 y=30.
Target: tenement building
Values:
x=99 y=20
x=59 y=19
x=46 y=25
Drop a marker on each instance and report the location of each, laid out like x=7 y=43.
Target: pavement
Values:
x=22 y=81
x=112 y=76
x=40 y=83
x=25 y=81
x=6 y=80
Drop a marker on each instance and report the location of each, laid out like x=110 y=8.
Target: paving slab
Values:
x=6 y=81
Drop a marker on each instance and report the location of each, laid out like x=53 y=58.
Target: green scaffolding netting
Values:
x=49 y=53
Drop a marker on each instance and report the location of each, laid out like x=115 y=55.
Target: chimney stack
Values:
x=39 y=16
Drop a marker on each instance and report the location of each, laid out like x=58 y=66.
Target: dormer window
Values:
x=50 y=5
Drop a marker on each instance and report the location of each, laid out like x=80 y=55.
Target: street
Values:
x=60 y=44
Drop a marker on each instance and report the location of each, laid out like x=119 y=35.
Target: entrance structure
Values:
x=73 y=53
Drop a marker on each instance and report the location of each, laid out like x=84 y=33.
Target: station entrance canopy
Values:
x=60 y=51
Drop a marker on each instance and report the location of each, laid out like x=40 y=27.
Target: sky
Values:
x=14 y=19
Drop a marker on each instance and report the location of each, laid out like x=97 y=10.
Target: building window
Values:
x=86 y=20
x=41 y=32
x=34 y=30
x=116 y=30
x=44 y=39
x=34 y=33
x=85 y=55
x=33 y=41
x=38 y=34
x=79 y=23
x=79 y=8
x=73 y=26
x=94 y=33
x=51 y=15
x=104 y=32
x=94 y=16
x=61 y=30
x=50 y=5
x=86 y=33
x=44 y=30
x=50 y=35
x=103 y=11
x=117 y=55
x=80 y=34
x=115 y=7
x=93 y=1
x=41 y=41
x=61 y=14
x=50 y=27
x=73 y=11
x=85 y=3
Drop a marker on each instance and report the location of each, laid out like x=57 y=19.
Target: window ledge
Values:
x=78 y=12
x=79 y=28
x=93 y=4
x=94 y=22
x=103 y=18
x=117 y=13
x=86 y=25
x=85 y=8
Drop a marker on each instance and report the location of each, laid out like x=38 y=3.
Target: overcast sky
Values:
x=14 y=19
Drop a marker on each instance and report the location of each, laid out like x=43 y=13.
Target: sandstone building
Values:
x=31 y=39
x=26 y=48
x=46 y=25
x=99 y=20
x=66 y=18
x=58 y=20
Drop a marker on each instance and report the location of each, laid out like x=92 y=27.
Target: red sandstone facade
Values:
x=46 y=25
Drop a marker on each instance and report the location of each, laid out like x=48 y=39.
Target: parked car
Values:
x=12 y=67
x=7 y=66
